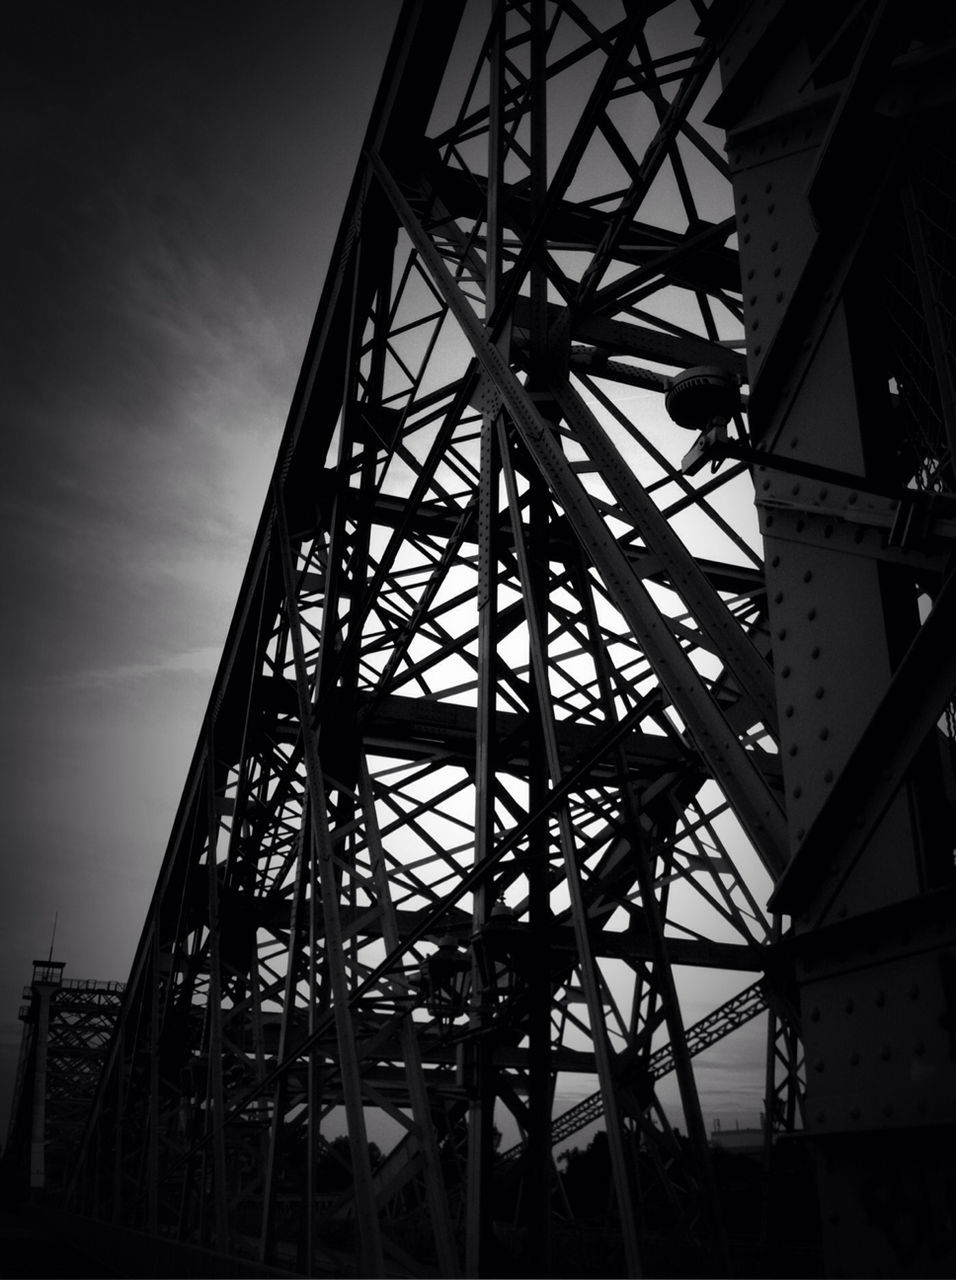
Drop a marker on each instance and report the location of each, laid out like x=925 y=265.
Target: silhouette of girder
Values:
x=490 y=764
x=67 y=1025
x=732 y=1014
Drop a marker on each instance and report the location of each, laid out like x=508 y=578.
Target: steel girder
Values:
x=840 y=137
x=490 y=764
x=67 y=1026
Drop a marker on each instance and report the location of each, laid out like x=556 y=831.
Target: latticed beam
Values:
x=491 y=755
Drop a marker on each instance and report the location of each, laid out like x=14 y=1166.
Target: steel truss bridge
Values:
x=67 y=1026
x=593 y=663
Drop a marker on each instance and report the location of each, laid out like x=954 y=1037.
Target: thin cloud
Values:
x=194 y=662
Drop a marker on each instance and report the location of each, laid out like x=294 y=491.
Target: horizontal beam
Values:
x=433 y=519
x=623 y=338
x=576 y=227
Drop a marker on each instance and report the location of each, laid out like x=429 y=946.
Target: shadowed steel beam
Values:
x=369 y=1241
x=757 y=807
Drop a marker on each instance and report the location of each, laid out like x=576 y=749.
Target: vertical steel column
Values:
x=538 y=1163
x=215 y=1112
x=478 y=1053
x=303 y=879
x=445 y=1248
x=586 y=962
x=44 y=990
x=825 y=120
x=369 y=1241
x=153 y=1116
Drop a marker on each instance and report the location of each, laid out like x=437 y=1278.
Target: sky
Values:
x=175 y=174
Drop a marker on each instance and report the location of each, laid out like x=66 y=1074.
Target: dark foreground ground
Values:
x=30 y=1248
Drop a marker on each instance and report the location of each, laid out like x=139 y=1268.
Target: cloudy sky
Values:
x=174 y=177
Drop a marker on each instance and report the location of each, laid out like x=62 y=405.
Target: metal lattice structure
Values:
x=67 y=1026
x=501 y=764
x=744 y=1006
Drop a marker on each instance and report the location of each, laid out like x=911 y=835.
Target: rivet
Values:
x=828 y=776
x=780 y=297
x=914 y=991
x=744 y=198
x=808 y=576
x=746 y=237
x=828 y=530
x=745 y=217
x=819 y=1065
x=849 y=1006
x=859 y=535
x=754 y=325
x=771 y=207
x=752 y=300
x=823 y=495
x=824 y=734
x=815 y=651
x=815 y=1013
x=750 y=274
x=801 y=525
x=769 y=521
x=818 y=692
x=785 y=671
x=774 y=246
x=888 y=1109
x=811 y=614
x=797 y=792
x=796 y=487
x=820 y=1117
x=757 y=349
x=782 y=633
x=765 y=485
x=801 y=832
x=776 y=274
x=793 y=750
x=778 y=597
x=788 y=710
x=768 y=188
x=886 y=1053
x=841 y=914
x=852 y=497
x=920 y=1049
x=880 y=999
x=854 y=1059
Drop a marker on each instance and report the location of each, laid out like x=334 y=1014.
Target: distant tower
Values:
x=66 y=1028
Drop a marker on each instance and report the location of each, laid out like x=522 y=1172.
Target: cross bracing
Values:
x=488 y=792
